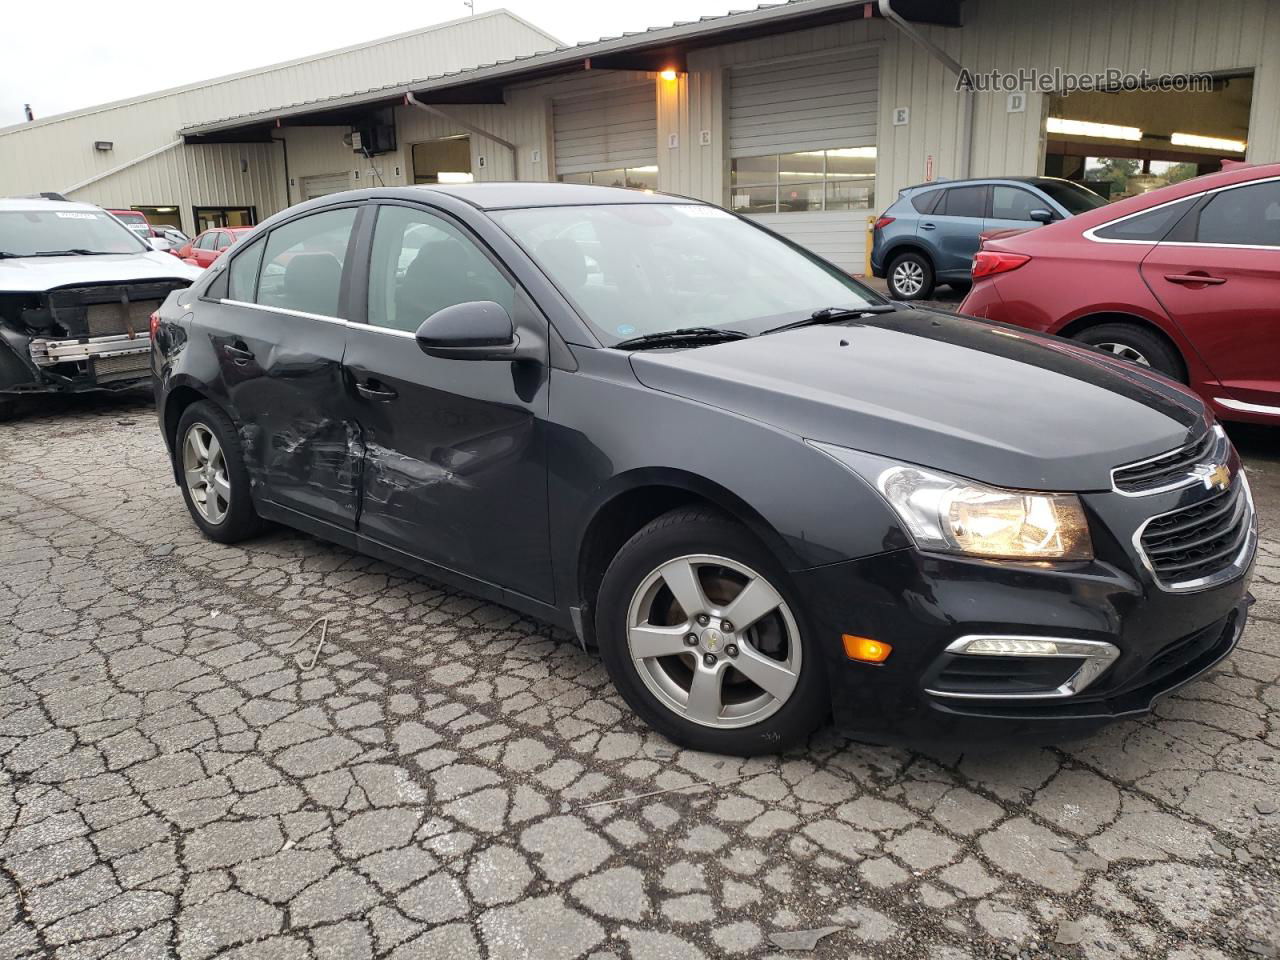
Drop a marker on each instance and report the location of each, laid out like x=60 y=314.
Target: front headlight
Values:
x=955 y=515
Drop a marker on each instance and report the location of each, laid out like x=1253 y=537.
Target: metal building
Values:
x=809 y=115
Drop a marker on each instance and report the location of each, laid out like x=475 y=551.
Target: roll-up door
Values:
x=324 y=185
x=607 y=132
x=802 y=143
x=805 y=104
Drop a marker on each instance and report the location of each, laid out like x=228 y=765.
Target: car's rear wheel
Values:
x=215 y=483
x=910 y=277
x=702 y=637
x=1131 y=342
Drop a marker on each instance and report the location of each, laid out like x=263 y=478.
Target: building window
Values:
x=633 y=178
x=839 y=178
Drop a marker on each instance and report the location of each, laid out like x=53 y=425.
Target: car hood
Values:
x=981 y=400
x=38 y=274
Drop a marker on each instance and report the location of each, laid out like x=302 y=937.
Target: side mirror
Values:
x=1042 y=216
x=476 y=330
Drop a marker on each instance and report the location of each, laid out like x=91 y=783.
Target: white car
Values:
x=77 y=290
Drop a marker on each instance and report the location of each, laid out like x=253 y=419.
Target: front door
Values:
x=455 y=469
x=1218 y=277
x=280 y=339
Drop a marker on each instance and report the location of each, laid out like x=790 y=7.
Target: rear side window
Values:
x=1243 y=215
x=302 y=263
x=224 y=241
x=1148 y=227
x=925 y=202
x=964 y=202
x=1014 y=203
x=243 y=273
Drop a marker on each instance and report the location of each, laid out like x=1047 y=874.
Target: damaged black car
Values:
x=77 y=290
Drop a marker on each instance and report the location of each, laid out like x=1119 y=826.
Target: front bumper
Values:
x=73 y=365
x=922 y=604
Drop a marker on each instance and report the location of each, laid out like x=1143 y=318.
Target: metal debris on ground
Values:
x=324 y=632
x=800 y=939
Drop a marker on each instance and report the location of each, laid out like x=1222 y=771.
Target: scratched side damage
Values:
x=308 y=454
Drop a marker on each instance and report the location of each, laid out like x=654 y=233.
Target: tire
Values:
x=1136 y=344
x=731 y=714
x=238 y=520
x=910 y=276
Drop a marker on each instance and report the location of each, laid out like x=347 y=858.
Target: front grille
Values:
x=129 y=366
x=109 y=309
x=1167 y=470
x=104 y=319
x=1189 y=545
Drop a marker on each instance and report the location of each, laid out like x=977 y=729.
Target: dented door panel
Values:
x=283 y=376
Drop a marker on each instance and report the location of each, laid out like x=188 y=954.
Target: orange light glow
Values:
x=668 y=74
x=866 y=649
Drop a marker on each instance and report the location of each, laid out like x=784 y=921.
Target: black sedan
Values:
x=762 y=491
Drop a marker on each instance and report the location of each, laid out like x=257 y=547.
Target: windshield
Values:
x=1073 y=197
x=636 y=269
x=26 y=233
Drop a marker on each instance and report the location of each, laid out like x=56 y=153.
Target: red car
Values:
x=209 y=246
x=1184 y=279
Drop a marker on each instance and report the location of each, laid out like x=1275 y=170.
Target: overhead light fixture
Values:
x=1085 y=128
x=1208 y=143
x=103 y=146
x=668 y=74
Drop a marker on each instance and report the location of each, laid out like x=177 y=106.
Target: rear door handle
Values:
x=928 y=226
x=375 y=390
x=238 y=353
x=1190 y=279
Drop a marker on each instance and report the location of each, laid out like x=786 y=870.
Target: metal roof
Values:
x=682 y=33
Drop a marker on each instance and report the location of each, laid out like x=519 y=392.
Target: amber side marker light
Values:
x=866 y=649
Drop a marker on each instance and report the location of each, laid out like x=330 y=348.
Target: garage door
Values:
x=607 y=132
x=802 y=135
x=324 y=185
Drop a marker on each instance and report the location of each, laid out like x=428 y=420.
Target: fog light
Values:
x=866 y=649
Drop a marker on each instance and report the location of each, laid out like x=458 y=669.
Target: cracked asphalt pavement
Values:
x=451 y=780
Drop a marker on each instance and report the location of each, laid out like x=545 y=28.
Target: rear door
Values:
x=455 y=469
x=279 y=337
x=954 y=227
x=1218 y=277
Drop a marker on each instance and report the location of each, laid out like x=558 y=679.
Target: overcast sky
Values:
x=60 y=55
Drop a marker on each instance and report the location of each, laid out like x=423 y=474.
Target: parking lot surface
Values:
x=182 y=774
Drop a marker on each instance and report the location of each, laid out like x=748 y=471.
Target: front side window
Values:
x=302 y=263
x=422 y=263
x=35 y=233
x=964 y=202
x=1148 y=227
x=224 y=240
x=205 y=241
x=243 y=272
x=1072 y=197
x=1243 y=215
x=632 y=269
x=839 y=178
x=633 y=178
x=1014 y=203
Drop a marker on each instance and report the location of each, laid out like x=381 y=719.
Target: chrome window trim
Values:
x=350 y=324
x=1235 y=569
x=1090 y=234
x=1095 y=665
x=1193 y=477
x=1245 y=407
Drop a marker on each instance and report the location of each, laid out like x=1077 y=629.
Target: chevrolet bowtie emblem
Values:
x=1219 y=476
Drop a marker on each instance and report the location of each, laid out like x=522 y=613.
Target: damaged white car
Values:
x=77 y=290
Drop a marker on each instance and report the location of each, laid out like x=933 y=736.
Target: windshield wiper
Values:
x=832 y=314
x=6 y=255
x=69 y=252
x=684 y=337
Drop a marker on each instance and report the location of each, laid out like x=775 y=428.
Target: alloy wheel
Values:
x=908 y=278
x=1125 y=352
x=205 y=468
x=714 y=641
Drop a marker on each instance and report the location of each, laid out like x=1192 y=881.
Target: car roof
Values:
x=36 y=204
x=505 y=195
x=979 y=181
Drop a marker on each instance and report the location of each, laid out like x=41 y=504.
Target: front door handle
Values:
x=1195 y=279
x=375 y=390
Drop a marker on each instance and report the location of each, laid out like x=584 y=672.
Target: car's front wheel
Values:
x=910 y=276
x=701 y=636
x=215 y=483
